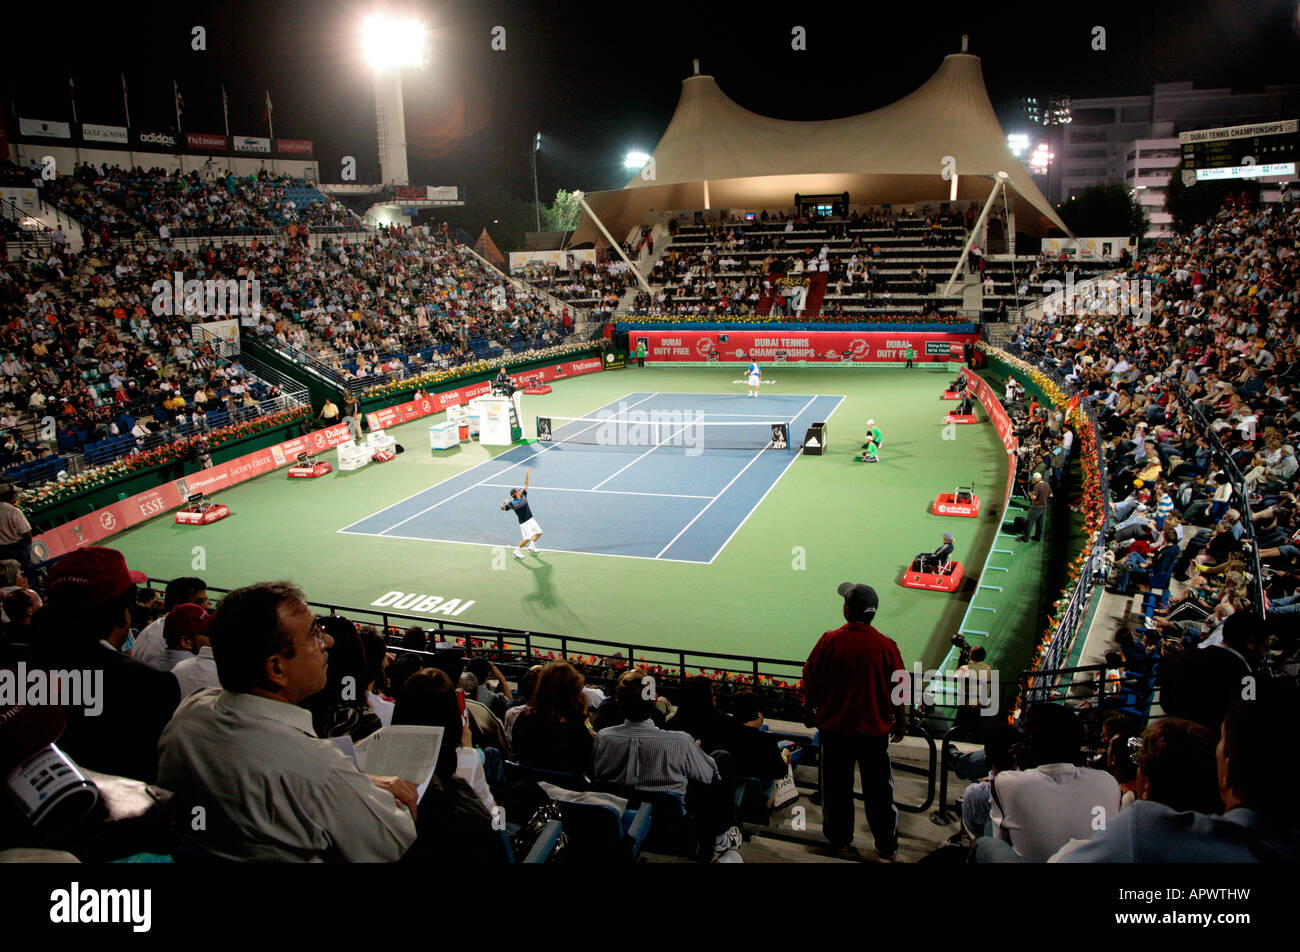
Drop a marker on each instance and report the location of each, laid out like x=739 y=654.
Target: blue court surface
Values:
x=678 y=494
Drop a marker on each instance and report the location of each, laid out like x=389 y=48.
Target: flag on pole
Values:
x=225 y=110
x=126 y=108
x=72 y=92
x=180 y=104
x=266 y=115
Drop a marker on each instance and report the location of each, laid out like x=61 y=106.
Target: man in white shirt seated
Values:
x=150 y=643
x=637 y=754
x=270 y=789
x=185 y=632
x=188 y=625
x=1037 y=811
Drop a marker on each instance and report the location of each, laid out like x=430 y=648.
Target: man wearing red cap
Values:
x=83 y=627
x=187 y=627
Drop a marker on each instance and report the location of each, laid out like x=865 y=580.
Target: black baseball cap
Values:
x=861 y=599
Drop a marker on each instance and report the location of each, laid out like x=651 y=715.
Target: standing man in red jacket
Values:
x=849 y=682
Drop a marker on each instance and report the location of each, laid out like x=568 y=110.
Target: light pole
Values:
x=537 y=205
x=391 y=45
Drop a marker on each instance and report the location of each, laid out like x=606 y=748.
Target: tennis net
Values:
x=663 y=428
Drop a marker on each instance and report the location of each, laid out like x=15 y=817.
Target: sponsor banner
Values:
x=48 y=130
x=811 y=346
x=27 y=199
x=410 y=193
x=110 y=520
x=1087 y=248
x=293 y=146
x=227 y=331
x=205 y=141
x=90 y=132
x=165 y=140
x=437 y=402
x=1240 y=132
x=444 y=193
x=565 y=260
x=252 y=144
x=982 y=392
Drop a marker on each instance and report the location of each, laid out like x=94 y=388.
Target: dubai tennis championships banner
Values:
x=829 y=347
x=94 y=528
x=437 y=402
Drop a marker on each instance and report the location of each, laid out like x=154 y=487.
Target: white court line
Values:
x=612 y=492
x=638 y=459
x=493 y=476
x=421 y=492
x=770 y=488
x=736 y=477
x=511 y=545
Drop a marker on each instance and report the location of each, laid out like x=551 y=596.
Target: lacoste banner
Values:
x=252 y=144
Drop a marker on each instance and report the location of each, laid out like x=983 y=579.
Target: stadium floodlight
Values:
x=636 y=160
x=1041 y=158
x=393 y=42
x=1018 y=143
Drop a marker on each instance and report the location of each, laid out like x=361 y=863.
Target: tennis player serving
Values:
x=755 y=378
x=528 y=526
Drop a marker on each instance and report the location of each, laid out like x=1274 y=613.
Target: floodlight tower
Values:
x=392 y=44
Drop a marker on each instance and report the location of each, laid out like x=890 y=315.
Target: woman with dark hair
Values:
x=698 y=715
x=552 y=732
x=457 y=810
x=341 y=709
x=377 y=658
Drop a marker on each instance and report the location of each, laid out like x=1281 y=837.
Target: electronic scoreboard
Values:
x=1238 y=152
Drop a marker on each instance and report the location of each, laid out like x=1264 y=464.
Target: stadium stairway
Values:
x=816 y=294
x=794 y=834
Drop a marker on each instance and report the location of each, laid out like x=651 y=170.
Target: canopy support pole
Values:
x=582 y=200
x=999 y=184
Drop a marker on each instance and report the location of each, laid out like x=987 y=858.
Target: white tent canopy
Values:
x=740 y=159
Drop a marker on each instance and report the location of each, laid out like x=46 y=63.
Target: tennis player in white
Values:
x=755 y=378
x=528 y=526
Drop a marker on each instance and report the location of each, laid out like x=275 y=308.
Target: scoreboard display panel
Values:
x=1233 y=152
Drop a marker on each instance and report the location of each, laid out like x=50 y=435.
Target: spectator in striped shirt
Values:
x=1164 y=503
x=639 y=755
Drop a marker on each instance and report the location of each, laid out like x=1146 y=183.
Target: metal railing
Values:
x=1092 y=572
x=1240 y=490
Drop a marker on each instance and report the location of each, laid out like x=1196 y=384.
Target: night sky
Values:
x=599 y=80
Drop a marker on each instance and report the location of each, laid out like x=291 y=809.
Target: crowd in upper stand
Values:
x=1210 y=316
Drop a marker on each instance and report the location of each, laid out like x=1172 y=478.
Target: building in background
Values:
x=1134 y=139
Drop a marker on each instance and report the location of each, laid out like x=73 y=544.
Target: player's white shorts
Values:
x=530 y=528
x=754 y=380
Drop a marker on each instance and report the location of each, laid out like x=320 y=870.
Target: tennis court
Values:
x=663 y=476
